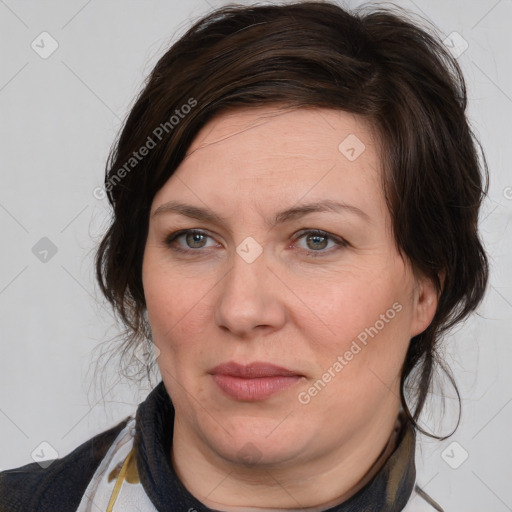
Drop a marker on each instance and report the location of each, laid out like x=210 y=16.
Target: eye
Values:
x=317 y=240
x=194 y=239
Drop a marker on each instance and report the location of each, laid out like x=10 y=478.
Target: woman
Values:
x=295 y=200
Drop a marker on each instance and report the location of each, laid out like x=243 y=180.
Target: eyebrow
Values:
x=205 y=214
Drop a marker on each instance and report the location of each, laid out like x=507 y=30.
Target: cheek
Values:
x=365 y=322
x=176 y=314
x=167 y=297
x=354 y=301
x=178 y=310
x=358 y=370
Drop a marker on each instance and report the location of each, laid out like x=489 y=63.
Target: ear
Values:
x=426 y=298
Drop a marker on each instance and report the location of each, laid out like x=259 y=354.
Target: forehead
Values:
x=311 y=133
x=261 y=155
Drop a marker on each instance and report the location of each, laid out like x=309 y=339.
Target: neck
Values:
x=309 y=485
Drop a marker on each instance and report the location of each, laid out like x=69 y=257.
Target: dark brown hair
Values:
x=373 y=62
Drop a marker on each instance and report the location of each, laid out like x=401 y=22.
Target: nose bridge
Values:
x=247 y=275
x=246 y=300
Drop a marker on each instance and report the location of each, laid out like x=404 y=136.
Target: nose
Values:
x=250 y=299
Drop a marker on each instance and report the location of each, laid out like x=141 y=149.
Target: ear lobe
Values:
x=427 y=298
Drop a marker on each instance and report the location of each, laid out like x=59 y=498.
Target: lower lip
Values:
x=254 y=389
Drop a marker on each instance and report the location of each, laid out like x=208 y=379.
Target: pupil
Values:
x=316 y=238
x=196 y=238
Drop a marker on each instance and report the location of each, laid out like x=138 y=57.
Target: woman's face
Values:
x=256 y=284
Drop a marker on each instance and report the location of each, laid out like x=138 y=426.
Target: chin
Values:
x=257 y=441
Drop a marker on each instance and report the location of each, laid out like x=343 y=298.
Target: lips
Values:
x=255 y=381
x=253 y=370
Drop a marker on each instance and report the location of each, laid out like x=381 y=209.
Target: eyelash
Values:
x=171 y=239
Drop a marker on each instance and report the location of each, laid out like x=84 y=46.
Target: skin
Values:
x=286 y=307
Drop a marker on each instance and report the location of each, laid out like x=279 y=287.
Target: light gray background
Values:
x=59 y=117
